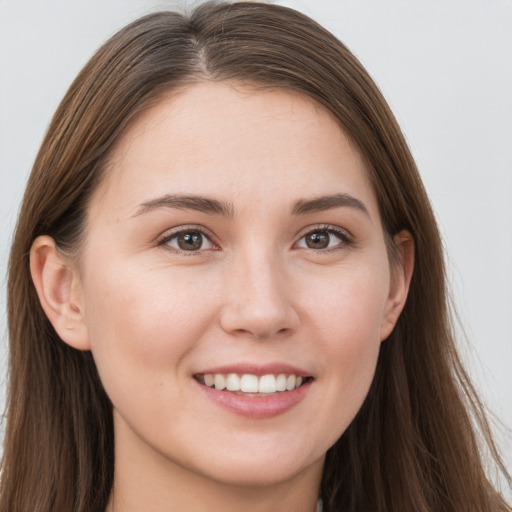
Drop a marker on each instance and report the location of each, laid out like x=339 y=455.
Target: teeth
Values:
x=248 y=383
x=232 y=382
x=219 y=381
x=267 y=384
x=281 y=382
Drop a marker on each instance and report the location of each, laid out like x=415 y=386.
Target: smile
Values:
x=249 y=383
x=259 y=395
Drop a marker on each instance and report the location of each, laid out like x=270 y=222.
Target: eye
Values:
x=188 y=240
x=323 y=238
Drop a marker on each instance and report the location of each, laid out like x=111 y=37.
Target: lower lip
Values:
x=257 y=407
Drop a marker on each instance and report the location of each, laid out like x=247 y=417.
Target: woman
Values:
x=226 y=288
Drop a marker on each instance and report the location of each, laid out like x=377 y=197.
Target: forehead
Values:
x=234 y=140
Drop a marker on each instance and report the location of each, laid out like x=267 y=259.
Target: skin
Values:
x=154 y=315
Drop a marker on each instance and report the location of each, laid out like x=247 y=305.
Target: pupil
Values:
x=318 y=240
x=190 y=241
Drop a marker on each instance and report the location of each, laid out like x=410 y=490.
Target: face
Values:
x=235 y=241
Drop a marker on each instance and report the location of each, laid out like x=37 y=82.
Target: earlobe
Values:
x=401 y=274
x=58 y=288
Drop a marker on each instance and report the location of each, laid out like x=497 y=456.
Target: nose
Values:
x=258 y=299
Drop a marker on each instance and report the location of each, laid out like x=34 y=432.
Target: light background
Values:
x=445 y=67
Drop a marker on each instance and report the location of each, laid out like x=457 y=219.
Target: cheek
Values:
x=142 y=324
x=350 y=306
x=347 y=322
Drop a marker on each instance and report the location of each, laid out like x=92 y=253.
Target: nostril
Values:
x=281 y=332
x=263 y=334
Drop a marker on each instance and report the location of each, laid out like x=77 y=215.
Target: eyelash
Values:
x=346 y=239
x=162 y=242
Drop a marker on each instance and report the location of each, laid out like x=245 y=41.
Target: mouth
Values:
x=248 y=384
x=255 y=392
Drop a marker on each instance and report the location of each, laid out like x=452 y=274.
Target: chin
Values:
x=262 y=471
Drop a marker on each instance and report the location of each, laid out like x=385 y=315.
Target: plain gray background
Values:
x=445 y=67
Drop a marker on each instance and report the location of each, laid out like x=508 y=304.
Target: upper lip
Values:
x=257 y=369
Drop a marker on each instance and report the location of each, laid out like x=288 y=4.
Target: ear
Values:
x=401 y=273
x=59 y=289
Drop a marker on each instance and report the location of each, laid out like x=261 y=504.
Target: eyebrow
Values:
x=183 y=202
x=323 y=203
x=214 y=206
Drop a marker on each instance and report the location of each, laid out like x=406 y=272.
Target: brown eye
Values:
x=317 y=240
x=324 y=238
x=189 y=240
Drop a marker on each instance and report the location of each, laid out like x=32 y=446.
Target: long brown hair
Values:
x=415 y=443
